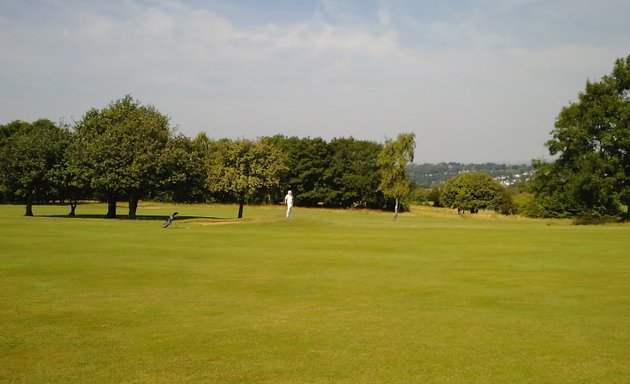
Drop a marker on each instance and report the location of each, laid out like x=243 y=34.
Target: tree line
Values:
x=128 y=151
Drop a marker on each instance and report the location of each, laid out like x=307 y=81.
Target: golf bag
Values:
x=169 y=220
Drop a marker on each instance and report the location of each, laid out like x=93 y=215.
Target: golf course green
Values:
x=329 y=296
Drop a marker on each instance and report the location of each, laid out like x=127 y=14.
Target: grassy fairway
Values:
x=326 y=297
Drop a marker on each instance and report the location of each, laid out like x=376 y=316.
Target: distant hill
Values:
x=432 y=175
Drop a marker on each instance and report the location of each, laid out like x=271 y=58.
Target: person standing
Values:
x=288 y=200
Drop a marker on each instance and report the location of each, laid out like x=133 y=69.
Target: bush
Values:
x=472 y=192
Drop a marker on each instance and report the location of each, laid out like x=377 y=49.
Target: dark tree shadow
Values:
x=138 y=217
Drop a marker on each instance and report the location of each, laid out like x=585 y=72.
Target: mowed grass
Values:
x=326 y=297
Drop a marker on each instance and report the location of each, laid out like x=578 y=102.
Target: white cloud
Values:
x=336 y=9
x=384 y=16
x=468 y=82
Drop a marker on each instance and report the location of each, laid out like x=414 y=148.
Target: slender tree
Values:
x=393 y=160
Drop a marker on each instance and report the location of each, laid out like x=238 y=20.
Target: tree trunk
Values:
x=111 y=207
x=73 y=207
x=133 y=206
x=29 y=207
x=240 y=209
x=241 y=203
x=396 y=210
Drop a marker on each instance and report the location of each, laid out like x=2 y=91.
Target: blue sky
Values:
x=476 y=80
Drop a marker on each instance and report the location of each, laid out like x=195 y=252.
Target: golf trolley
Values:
x=169 y=220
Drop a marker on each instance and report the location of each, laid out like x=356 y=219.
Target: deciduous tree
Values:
x=591 y=143
x=393 y=160
x=471 y=192
x=242 y=168
x=182 y=169
x=307 y=160
x=28 y=158
x=119 y=148
x=353 y=174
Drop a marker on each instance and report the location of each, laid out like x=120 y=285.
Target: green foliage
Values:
x=242 y=168
x=353 y=174
x=8 y=130
x=474 y=191
x=420 y=195
x=524 y=202
x=307 y=161
x=393 y=160
x=28 y=159
x=340 y=173
x=434 y=196
x=591 y=140
x=121 y=150
x=507 y=205
x=181 y=170
x=127 y=151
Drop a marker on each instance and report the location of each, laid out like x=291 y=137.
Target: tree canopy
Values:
x=118 y=149
x=353 y=174
x=393 y=160
x=307 y=160
x=471 y=192
x=127 y=150
x=243 y=167
x=340 y=173
x=591 y=143
x=28 y=157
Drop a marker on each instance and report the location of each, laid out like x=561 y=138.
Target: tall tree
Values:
x=71 y=182
x=181 y=169
x=353 y=175
x=28 y=159
x=242 y=168
x=393 y=160
x=119 y=149
x=307 y=159
x=591 y=143
x=6 y=131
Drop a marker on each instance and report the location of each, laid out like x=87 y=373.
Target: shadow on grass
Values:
x=139 y=217
x=586 y=220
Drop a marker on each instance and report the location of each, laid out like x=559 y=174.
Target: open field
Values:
x=326 y=297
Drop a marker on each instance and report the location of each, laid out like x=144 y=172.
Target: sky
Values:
x=475 y=80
